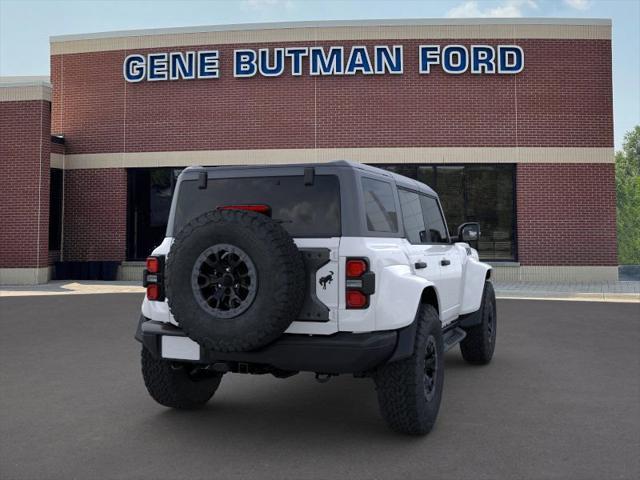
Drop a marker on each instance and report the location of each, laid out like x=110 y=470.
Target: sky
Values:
x=25 y=26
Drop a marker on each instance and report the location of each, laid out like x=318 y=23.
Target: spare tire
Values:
x=234 y=280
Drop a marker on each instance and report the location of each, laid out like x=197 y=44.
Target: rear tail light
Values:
x=356 y=299
x=360 y=283
x=153 y=291
x=265 y=209
x=356 y=267
x=153 y=278
x=153 y=265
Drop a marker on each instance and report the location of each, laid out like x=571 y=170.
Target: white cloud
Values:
x=578 y=4
x=508 y=8
x=266 y=4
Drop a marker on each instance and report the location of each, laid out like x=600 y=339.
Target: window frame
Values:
x=399 y=232
x=444 y=219
x=404 y=227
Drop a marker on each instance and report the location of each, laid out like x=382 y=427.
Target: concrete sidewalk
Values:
x=71 y=287
x=594 y=292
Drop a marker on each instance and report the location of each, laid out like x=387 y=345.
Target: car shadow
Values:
x=298 y=409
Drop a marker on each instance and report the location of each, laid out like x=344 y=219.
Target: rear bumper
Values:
x=338 y=353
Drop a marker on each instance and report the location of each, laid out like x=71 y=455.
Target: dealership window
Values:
x=482 y=193
x=55 y=209
x=149 y=192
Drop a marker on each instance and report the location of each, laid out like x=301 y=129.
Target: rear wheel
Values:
x=178 y=384
x=478 y=346
x=409 y=391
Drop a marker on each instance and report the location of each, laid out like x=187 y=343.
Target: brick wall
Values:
x=95 y=204
x=57 y=148
x=562 y=98
x=24 y=196
x=566 y=214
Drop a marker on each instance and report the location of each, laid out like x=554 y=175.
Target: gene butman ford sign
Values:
x=327 y=61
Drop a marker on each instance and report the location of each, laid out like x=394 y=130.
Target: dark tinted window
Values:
x=149 y=193
x=437 y=233
x=412 y=216
x=380 y=206
x=303 y=210
x=481 y=193
x=55 y=209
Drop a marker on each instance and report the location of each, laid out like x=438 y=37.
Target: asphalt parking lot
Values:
x=560 y=400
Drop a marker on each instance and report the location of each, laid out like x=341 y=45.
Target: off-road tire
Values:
x=478 y=346
x=281 y=281
x=401 y=385
x=172 y=385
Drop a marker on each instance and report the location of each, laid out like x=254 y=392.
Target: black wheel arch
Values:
x=407 y=335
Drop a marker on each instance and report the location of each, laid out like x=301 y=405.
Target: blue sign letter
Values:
x=385 y=61
x=181 y=67
x=483 y=59
x=157 y=67
x=510 y=59
x=359 y=61
x=296 y=55
x=274 y=70
x=429 y=55
x=331 y=64
x=133 y=68
x=244 y=63
x=459 y=64
x=208 y=64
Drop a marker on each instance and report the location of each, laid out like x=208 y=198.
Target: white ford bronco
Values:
x=331 y=268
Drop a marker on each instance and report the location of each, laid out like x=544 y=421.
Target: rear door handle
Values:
x=420 y=265
x=445 y=262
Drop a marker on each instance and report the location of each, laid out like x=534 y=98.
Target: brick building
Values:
x=511 y=121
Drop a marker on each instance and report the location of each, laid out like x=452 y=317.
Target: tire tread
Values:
x=399 y=384
x=172 y=388
x=287 y=299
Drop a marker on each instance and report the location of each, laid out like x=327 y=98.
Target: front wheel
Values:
x=409 y=390
x=478 y=346
x=178 y=385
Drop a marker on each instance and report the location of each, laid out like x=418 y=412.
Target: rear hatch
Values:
x=308 y=208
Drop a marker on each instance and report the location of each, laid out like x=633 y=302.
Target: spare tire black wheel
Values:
x=234 y=280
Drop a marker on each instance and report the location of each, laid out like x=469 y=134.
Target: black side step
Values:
x=453 y=337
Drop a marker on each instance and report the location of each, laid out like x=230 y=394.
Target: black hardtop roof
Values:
x=400 y=180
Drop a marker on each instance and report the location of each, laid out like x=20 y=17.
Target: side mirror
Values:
x=469 y=232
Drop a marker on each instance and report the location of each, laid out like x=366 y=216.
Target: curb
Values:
x=573 y=297
x=78 y=289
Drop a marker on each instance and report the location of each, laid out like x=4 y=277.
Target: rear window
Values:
x=303 y=210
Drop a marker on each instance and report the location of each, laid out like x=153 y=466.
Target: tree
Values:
x=628 y=198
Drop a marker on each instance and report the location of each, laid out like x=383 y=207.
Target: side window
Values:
x=436 y=231
x=412 y=216
x=380 y=206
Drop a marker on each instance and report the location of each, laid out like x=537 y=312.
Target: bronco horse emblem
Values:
x=327 y=279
